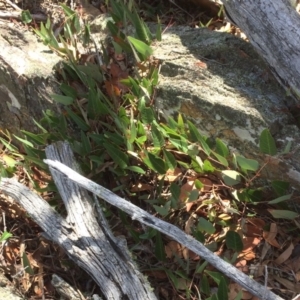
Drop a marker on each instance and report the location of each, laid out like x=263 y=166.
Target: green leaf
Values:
x=198 y=184
x=115 y=138
x=267 y=143
x=155 y=163
x=221 y=148
x=196 y=136
x=207 y=166
x=159 y=247
x=180 y=144
x=67 y=10
x=234 y=241
x=170 y=159
x=280 y=187
x=77 y=119
x=200 y=269
x=119 y=157
x=5 y=236
x=147 y=115
x=136 y=169
x=280 y=199
x=175 y=194
x=283 y=214
x=193 y=150
x=223 y=289
x=9 y=161
x=247 y=164
x=91 y=71
x=140 y=47
x=65 y=100
x=86 y=145
x=216 y=276
x=68 y=90
x=221 y=159
x=158 y=139
x=26 y=264
x=26 y=16
x=158 y=29
x=231 y=177
x=163 y=210
x=25 y=142
x=204 y=285
x=141 y=29
x=96 y=107
x=40 y=139
x=287 y=148
x=37 y=161
x=204 y=225
x=193 y=196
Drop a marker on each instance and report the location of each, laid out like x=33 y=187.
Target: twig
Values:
x=172 y=231
x=16 y=7
x=17 y=15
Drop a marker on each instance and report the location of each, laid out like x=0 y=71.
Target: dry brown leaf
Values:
x=297 y=276
x=173 y=248
x=253 y=227
x=182 y=284
x=157 y=274
x=171 y=175
x=295 y=287
x=284 y=255
x=234 y=289
x=264 y=251
x=208 y=184
x=189 y=224
x=189 y=205
x=189 y=254
x=247 y=255
x=186 y=189
x=250 y=243
x=141 y=187
x=246 y=295
x=270 y=236
x=111 y=89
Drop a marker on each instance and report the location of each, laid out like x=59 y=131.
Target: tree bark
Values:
x=272 y=27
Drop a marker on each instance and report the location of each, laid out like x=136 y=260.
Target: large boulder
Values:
x=220 y=82
x=26 y=78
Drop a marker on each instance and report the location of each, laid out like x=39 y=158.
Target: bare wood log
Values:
x=86 y=239
x=17 y=15
x=172 y=231
x=273 y=29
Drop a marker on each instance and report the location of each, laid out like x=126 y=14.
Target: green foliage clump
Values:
x=113 y=127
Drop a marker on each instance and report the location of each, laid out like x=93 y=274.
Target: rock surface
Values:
x=219 y=82
x=26 y=78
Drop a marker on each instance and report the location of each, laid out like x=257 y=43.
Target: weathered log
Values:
x=84 y=235
x=272 y=27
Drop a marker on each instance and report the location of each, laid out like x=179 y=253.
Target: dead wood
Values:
x=18 y=16
x=273 y=29
x=84 y=234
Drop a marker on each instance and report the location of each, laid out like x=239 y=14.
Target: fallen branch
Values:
x=84 y=234
x=172 y=231
x=18 y=16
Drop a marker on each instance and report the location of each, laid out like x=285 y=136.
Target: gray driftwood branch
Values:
x=273 y=29
x=172 y=231
x=84 y=234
